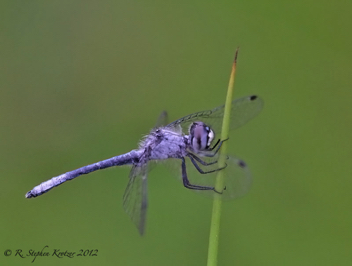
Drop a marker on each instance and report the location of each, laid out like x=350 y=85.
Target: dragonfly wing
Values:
x=135 y=200
x=162 y=120
x=242 y=110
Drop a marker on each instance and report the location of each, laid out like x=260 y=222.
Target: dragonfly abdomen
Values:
x=127 y=158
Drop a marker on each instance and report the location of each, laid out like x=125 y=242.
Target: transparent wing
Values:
x=135 y=197
x=162 y=120
x=242 y=110
x=237 y=177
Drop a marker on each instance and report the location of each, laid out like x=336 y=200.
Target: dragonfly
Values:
x=191 y=145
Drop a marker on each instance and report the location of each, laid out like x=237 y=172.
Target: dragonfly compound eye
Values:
x=201 y=136
x=210 y=137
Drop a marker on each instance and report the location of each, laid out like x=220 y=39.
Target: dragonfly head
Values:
x=200 y=136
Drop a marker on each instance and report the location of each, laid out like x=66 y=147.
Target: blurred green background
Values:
x=82 y=81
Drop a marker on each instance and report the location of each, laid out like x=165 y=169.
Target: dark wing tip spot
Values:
x=242 y=164
x=253 y=97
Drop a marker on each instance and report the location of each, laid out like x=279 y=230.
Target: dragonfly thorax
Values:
x=200 y=136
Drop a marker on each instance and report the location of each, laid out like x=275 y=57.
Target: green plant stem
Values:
x=219 y=184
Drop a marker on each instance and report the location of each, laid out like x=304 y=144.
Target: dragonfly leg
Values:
x=200 y=160
x=200 y=170
x=220 y=192
x=217 y=149
x=216 y=144
x=186 y=181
